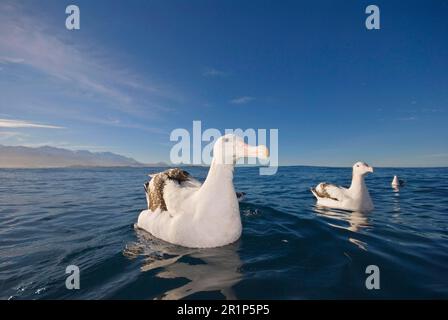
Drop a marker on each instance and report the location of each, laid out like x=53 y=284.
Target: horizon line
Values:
x=166 y=165
x=169 y=164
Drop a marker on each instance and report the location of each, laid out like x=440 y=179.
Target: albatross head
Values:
x=361 y=168
x=230 y=147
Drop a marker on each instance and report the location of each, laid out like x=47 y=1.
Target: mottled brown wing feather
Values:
x=158 y=182
x=178 y=174
x=323 y=192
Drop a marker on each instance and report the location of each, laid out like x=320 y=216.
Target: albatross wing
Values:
x=328 y=191
x=168 y=188
x=155 y=188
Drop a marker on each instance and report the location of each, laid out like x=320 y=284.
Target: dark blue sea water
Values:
x=290 y=249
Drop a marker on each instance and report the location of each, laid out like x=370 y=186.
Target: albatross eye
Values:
x=226 y=139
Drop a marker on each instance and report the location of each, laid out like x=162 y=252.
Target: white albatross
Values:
x=185 y=212
x=355 y=198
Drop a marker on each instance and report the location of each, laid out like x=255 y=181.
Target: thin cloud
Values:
x=7 y=123
x=212 y=73
x=242 y=100
x=411 y=118
x=7 y=135
x=437 y=155
x=5 y=60
x=25 y=39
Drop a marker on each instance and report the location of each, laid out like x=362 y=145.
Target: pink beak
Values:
x=261 y=151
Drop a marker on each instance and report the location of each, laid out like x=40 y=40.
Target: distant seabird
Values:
x=183 y=211
x=355 y=198
x=397 y=182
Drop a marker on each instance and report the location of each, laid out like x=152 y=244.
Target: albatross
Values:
x=397 y=182
x=185 y=212
x=355 y=198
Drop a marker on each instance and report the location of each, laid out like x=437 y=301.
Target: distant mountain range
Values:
x=51 y=157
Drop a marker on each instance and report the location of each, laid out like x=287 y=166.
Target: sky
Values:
x=136 y=70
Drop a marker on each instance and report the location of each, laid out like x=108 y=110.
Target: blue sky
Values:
x=136 y=70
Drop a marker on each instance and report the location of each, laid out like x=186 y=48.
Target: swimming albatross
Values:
x=397 y=182
x=185 y=212
x=355 y=198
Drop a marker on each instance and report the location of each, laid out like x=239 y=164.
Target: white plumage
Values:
x=201 y=215
x=355 y=198
x=397 y=182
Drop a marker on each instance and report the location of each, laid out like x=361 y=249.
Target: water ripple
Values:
x=290 y=248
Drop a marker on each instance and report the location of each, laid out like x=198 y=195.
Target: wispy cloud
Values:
x=437 y=155
x=410 y=118
x=7 y=123
x=6 y=135
x=10 y=60
x=242 y=100
x=432 y=110
x=120 y=124
x=212 y=72
x=25 y=40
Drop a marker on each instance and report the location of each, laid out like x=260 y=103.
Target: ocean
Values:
x=290 y=249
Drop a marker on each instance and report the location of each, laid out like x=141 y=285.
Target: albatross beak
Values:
x=370 y=169
x=261 y=151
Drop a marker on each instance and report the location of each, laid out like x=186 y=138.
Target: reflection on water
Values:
x=215 y=269
x=288 y=250
x=396 y=201
x=356 y=220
